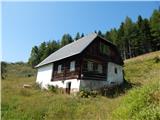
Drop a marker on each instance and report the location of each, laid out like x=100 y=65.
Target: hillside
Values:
x=142 y=101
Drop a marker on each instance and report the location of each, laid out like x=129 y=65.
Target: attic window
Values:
x=72 y=66
x=104 y=49
x=90 y=66
x=115 y=70
x=59 y=68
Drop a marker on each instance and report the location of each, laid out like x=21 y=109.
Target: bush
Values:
x=156 y=59
x=87 y=93
x=55 y=89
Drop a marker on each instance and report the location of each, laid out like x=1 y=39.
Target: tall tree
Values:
x=140 y=37
x=121 y=41
x=51 y=47
x=42 y=51
x=82 y=35
x=127 y=36
x=107 y=35
x=34 y=57
x=113 y=36
x=146 y=35
x=155 y=29
x=100 y=33
x=77 y=36
x=66 y=39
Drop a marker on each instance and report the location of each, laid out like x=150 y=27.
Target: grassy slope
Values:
x=26 y=104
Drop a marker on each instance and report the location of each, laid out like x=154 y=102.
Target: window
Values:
x=59 y=68
x=90 y=66
x=115 y=70
x=100 y=68
x=72 y=66
x=104 y=49
x=95 y=67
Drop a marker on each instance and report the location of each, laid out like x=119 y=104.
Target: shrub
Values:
x=53 y=88
x=156 y=59
x=87 y=93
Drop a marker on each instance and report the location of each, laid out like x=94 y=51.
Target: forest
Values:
x=131 y=38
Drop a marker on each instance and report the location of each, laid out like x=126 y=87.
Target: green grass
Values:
x=142 y=102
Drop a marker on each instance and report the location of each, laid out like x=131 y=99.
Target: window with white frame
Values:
x=100 y=68
x=90 y=66
x=59 y=69
x=72 y=66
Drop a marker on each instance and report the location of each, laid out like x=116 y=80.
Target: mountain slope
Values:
x=142 y=101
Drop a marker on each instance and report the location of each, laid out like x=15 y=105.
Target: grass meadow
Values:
x=141 y=102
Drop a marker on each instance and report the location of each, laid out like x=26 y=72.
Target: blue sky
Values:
x=26 y=24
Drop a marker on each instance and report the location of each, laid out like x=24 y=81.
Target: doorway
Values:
x=68 y=87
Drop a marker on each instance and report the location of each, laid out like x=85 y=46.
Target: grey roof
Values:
x=71 y=49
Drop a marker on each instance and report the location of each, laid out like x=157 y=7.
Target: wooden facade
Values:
x=91 y=64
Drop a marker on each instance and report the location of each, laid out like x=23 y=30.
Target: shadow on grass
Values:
x=115 y=91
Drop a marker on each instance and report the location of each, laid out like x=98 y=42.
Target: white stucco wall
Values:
x=44 y=75
x=112 y=77
x=75 y=83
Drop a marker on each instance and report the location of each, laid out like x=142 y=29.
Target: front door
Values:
x=68 y=87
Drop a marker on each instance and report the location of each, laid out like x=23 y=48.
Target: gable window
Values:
x=59 y=68
x=115 y=70
x=100 y=68
x=104 y=49
x=72 y=66
x=90 y=66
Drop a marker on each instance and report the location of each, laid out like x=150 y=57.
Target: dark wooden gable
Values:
x=94 y=51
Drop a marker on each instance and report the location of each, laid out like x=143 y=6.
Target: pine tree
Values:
x=146 y=36
x=77 y=36
x=66 y=39
x=42 y=51
x=34 y=57
x=82 y=35
x=107 y=36
x=155 y=30
x=100 y=33
x=140 y=37
x=128 y=25
x=121 y=41
x=113 y=36
x=51 y=47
